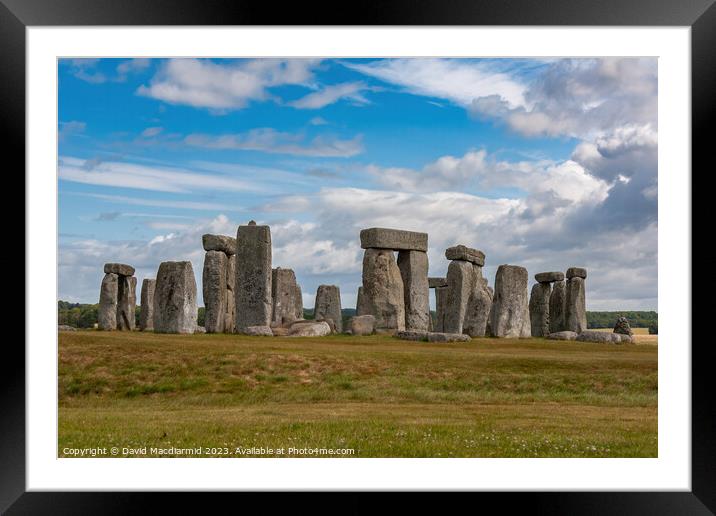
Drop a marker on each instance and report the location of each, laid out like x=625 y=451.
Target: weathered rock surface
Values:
x=447 y=337
x=437 y=282
x=285 y=295
x=65 y=327
x=604 y=337
x=413 y=267
x=175 y=308
x=461 y=283
x=215 y=291
x=548 y=277
x=146 y=313
x=576 y=272
x=622 y=327
x=441 y=300
x=510 y=315
x=383 y=289
x=396 y=239
x=107 y=313
x=223 y=243
x=575 y=305
x=478 y=308
x=253 y=277
x=279 y=331
x=200 y=329
x=412 y=335
x=121 y=269
x=126 y=302
x=309 y=329
x=558 y=307
x=563 y=335
x=328 y=306
x=539 y=309
x=362 y=325
x=260 y=331
x=461 y=252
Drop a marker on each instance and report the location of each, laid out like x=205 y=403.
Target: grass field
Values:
x=376 y=395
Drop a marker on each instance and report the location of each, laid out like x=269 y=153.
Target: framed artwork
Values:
x=397 y=247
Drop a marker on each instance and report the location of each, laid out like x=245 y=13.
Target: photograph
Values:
x=344 y=257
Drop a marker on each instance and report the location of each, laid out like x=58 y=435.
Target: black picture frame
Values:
x=699 y=15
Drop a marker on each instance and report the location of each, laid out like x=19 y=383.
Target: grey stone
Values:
x=437 y=282
x=510 y=315
x=126 y=302
x=122 y=269
x=328 y=306
x=477 y=312
x=461 y=252
x=65 y=327
x=362 y=325
x=383 y=289
x=447 y=337
x=175 y=298
x=361 y=306
x=146 y=313
x=258 y=331
x=230 y=314
x=549 y=277
x=285 y=297
x=461 y=283
x=575 y=305
x=279 y=331
x=413 y=267
x=231 y=272
x=576 y=272
x=215 y=291
x=563 y=335
x=441 y=299
x=107 y=313
x=298 y=302
x=396 y=239
x=412 y=335
x=603 y=337
x=253 y=277
x=539 y=309
x=622 y=327
x=223 y=243
x=309 y=329
x=200 y=329
x=558 y=307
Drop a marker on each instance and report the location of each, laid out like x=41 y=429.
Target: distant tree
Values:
x=201 y=316
x=654 y=329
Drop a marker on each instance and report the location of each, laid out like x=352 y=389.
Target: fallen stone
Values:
x=413 y=267
x=549 y=277
x=603 y=337
x=309 y=329
x=283 y=293
x=479 y=306
x=66 y=327
x=223 y=243
x=107 y=313
x=279 y=331
x=146 y=313
x=576 y=272
x=121 y=269
x=383 y=289
x=412 y=335
x=539 y=309
x=214 y=290
x=622 y=327
x=447 y=337
x=557 y=307
x=253 y=277
x=126 y=302
x=437 y=282
x=461 y=283
x=575 y=305
x=362 y=325
x=461 y=252
x=175 y=308
x=200 y=329
x=328 y=306
x=510 y=315
x=395 y=239
x=563 y=335
x=257 y=331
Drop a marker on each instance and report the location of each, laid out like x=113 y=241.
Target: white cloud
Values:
x=70 y=128
x=332 y=94
x=161 y=203
x=151 y=131
x=204 y=83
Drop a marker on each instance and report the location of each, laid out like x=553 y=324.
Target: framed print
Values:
x=410 y=249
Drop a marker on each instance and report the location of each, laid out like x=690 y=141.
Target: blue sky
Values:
x=541 y=163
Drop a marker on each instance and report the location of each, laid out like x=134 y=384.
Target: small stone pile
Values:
x=117 y=298
x=622 y=326
x=218 y=283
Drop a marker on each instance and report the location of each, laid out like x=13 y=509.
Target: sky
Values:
x=543 y=163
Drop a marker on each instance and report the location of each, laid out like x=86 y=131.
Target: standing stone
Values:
x=126 y=302
x=361 y=307
x=383 y=289
x=175 y=298
x=230 y=314
x=510 y=316
x=461 y=283
x=284 y=294
x=107 y=314
x=622 y=326
x=146 y=314
x=253 y=277
x=539 y=309
x=298 y=302
x=328 y=306
x=441 y=298
x=214 y=286
x=478 y=308
x=576 y=309
x=557 y=307
x=413 y=267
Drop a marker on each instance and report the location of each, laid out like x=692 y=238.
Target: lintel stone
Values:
x=396 y=239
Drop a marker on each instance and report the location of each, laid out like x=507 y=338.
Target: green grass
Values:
x=380 y=396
